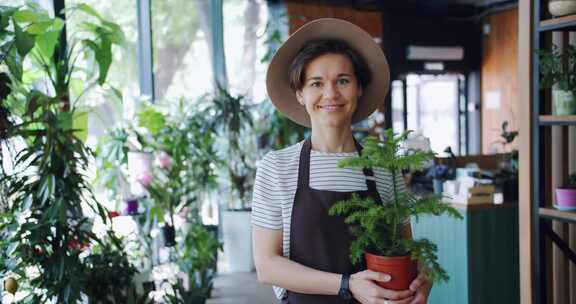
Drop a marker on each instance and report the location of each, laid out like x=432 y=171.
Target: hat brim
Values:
x=278 y=78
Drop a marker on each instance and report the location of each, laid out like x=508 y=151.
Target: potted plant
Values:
x=48 y=190
x=566 y=195
x=558 y=72
x=108 y=272
x=230 y=117
x=198 y=257
x=377 y=228
x=507 y=177
x=184 y=166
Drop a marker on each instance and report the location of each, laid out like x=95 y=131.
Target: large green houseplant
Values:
x=378 y=228
x=183 y=144
x=197 y=257
x=49 y=240
x=558 y=71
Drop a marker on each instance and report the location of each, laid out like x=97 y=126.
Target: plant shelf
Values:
x=557 y=120
x=565 y=23
x=559 y=215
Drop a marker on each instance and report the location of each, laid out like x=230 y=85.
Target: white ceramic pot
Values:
x=559 y=8
x=237 y=234
x=564 y=102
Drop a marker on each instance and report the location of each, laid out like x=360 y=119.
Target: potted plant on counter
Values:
x=566 y=195
x=377 y=228
x=507 y=177
x=559 y=73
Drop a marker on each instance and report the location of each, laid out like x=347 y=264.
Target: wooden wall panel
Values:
x=499 y=77
x=300 y=13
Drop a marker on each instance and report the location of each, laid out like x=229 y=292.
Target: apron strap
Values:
x=304 y=165
x=368 y=173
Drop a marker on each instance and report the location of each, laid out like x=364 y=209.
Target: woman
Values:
x=326 y=76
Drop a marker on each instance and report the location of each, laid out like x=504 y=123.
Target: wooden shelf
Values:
x=557 y=120
x=560 y=23
x=555 y=214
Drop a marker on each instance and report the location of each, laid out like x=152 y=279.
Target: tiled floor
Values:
x=241 y=288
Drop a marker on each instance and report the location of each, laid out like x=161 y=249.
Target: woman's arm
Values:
x=275 y=269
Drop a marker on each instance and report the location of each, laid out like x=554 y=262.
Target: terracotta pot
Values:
x=403 y=270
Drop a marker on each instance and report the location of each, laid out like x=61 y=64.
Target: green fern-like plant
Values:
x=377 y=228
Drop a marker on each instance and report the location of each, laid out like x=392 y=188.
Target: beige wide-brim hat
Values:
x=278 y=78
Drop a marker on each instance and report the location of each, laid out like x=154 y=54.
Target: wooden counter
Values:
x=480 y=254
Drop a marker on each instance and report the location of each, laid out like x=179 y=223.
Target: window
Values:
x=123 y=74
x=244 y=35
x=181 y=50
x=432 y=105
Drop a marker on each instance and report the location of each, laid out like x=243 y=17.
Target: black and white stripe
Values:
x=277 y=178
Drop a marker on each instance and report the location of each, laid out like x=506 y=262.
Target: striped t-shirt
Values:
x=277 y=179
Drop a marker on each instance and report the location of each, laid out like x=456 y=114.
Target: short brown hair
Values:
x=316 y=48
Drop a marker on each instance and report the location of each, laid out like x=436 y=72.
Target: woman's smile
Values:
x=331 y=107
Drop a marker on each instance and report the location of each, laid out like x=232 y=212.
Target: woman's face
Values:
x=330 y=91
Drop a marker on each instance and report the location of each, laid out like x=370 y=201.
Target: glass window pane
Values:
x=244 y=35
x=182 y=65
x=12 y=2
x=123 y=74
x=433 y=105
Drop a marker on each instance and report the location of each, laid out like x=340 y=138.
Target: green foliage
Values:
x=180 y=295
x=572 y=180
x=378 y=228
x=50 y=231
x=277 y=131
x=231 y=119
x=558 y=68
x=108 y=275
x=509 y=165
x=189 y=142
x=198 y=257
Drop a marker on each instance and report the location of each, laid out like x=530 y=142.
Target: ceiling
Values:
x=445 y=8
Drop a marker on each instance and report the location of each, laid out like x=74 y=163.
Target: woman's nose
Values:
x=331 y=91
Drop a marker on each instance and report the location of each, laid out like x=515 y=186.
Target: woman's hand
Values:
x=366 y=291
x=421 y=286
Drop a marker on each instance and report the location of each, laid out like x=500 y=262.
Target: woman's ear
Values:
x=300 y=97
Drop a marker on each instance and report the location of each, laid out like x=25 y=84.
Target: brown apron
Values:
x=318 y=240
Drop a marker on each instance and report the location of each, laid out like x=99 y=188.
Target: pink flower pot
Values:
x=566 y=197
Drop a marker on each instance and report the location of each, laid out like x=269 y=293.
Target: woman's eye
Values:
x=316 y=84
x=343 y=81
